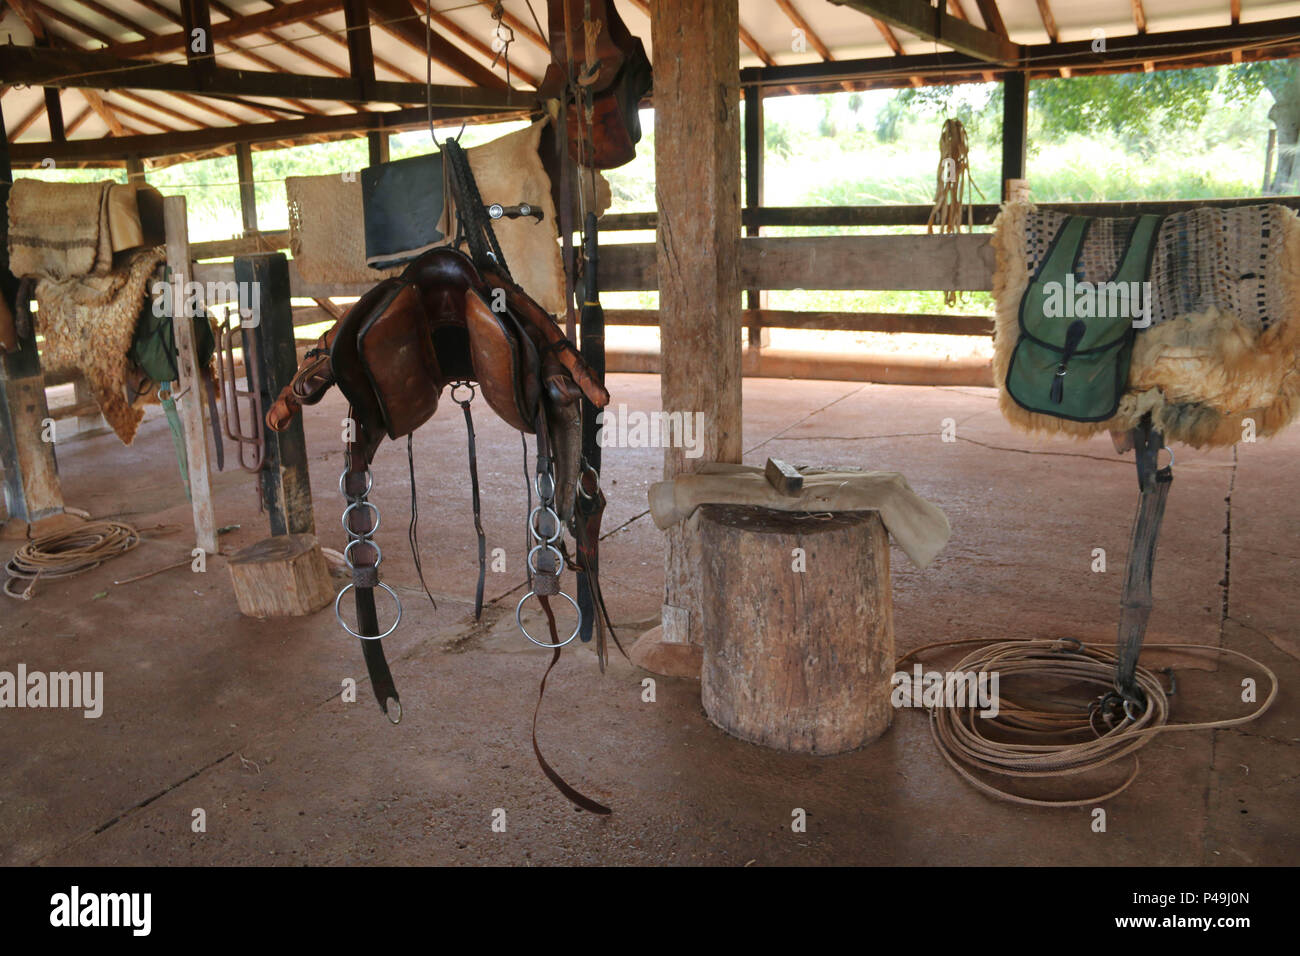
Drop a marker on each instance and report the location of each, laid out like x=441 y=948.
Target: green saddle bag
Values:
x=153 y=348
x=1076 y=338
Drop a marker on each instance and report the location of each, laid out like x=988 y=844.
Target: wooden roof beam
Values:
x=992 y=17
x=239 y=25
x=788 y=8
x=474 y=43
x=1049 y=27
x=527 y=32
x=930 y=23
x=398 y=18
x=955 y=8
x=98 y=70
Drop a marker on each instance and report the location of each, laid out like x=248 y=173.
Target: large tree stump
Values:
x=284 y=576
x=796 y=660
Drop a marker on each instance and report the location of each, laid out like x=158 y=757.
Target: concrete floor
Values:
x=243 y=719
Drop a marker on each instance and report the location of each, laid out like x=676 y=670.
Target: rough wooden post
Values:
x=798 y=627
x=247 y=187
x=31 y=481
x=756 y=336
x=697 y=191
x=286 y=488
x=189 y=387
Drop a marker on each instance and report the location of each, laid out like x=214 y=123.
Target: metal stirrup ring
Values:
x=520 y=621
x=370 y=637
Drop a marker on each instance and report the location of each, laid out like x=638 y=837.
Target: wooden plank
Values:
x=189 y=393
x=397 y=17
x=286 y=484
x=241 y=26
x=890 y=369
x=930 y=23
x=914 y=323
x=784 y=477
x=82 y=68
x=168 y=144
x=930 y=263
x=361 y=56
x=755 y=336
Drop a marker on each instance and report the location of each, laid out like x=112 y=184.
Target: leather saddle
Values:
x=444 y=321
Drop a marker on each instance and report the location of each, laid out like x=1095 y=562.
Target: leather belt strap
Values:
x=1135 y=603
x=478 y=512
x=364 y=577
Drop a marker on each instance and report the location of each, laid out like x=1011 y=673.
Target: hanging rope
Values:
x=1023 y=742
x=62 y=554
x=952 y=194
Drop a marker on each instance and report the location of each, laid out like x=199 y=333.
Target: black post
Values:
x=1015 y=124
x=378 y=140
x=263 y=281
x=247 y=190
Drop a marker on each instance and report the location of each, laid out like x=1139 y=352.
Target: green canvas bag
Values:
x=1071 y=362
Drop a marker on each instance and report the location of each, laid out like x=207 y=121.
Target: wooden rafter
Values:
x=474 y=43
x=100 y=70
x=992 y=17
x=398 y=18
x=328 y=34
x=1139 y=16
x=1234 y=11
x=239 y=25
x=755 y=47
x=788 y=8
x=105 y=113
x=931 y=23
x=26 y=122
x=1049 y=27
x=77 y=120
x=523 y=29
x=955 y=8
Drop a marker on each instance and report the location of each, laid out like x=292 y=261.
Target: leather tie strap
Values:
x=474 y=492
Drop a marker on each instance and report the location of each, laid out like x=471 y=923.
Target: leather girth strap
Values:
x=1154 y=483
x=365 y=577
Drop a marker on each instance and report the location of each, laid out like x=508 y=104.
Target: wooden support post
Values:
x=135 y=169
x=286 y=488
x=361 y=58
x=756 y=336
x=378 y=147
x=54 y=114
x=31 y=485
x=697 y=96
x=189 y=387
x=196 y=20
x=1015 y=125
x=247 y=190
x=799 y=660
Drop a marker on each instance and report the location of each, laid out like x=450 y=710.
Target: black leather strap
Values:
x=478 y=511
x=1154 y=483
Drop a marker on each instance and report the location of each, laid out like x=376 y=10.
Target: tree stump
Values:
x=796 y=660
x=283 y=576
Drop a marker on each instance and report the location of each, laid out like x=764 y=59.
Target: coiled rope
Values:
x=952 y=193
x=1022 y=742
x=61 y=554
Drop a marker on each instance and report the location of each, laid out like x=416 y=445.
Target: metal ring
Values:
x=347 y=557
x=537 y=484
x=532 y=528
x=360 y=503
x=587 y=469
x=559 y=558
x=368 y=637
x=520 y=621
x=1171 y=455
x=370 y=483
x=462 y=384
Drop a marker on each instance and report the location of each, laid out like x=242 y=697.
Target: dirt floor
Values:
x=242 y=719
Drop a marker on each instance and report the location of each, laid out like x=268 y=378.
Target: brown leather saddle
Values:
x=446 y=322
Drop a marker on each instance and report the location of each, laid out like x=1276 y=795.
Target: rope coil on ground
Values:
x=70 y=551
x=1021 y=742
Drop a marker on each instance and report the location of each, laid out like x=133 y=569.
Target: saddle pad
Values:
x=89 y=324
x=326 y=236
x=402 y=202
x=59 y=230
x=1223 y=344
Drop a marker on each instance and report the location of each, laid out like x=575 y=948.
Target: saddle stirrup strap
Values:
x=363 y=557
x=1154 y=483
x=474 y=493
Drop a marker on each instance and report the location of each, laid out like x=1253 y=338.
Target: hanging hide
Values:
x=1223 y=302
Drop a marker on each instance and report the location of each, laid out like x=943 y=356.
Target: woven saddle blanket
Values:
x=1220 y=358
